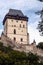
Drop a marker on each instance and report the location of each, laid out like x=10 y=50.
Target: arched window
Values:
x=14 y=31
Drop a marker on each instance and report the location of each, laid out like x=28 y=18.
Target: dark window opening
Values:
x=12 y=20
x=21 y=39
x=14 y=39
x=20 y=25
x=23 y=26
x=14 y=31
x=17 y=21
x=21 y=21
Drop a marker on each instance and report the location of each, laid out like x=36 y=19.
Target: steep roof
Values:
x=15 y=14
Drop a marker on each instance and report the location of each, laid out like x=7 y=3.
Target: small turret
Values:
x=34 y=43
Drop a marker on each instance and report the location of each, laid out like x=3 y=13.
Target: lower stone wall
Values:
x=26 y=48
x=34 y=49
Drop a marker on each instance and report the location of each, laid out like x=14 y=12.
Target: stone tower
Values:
x=16 y=26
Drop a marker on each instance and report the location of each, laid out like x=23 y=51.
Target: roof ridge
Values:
x=15 y=9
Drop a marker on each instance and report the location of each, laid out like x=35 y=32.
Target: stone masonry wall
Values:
x=26 y=48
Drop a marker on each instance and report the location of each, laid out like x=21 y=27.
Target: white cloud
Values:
x=34 y=33
x=20 y=4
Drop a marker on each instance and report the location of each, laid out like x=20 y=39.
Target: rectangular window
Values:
x=14 y=31
x=23 y=26
x=14 y=39
x=12 y=20
x=17 y=21
x=20 y=25
x=21 y=21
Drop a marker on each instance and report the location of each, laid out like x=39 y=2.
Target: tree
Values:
x=41 y=0
x=40 y=45
x=40 y=25
x=9 y=56
x=33 y=58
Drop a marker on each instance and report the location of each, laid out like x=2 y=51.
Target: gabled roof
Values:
x=15 y=14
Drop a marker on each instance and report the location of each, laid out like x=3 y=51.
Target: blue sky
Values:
x=28 y=7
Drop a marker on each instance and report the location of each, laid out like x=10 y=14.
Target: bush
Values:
x=40 y=45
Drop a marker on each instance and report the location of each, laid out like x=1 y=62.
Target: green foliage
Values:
x=41 y=0
x=40 y=45
x=33 y=57
x=9 y=56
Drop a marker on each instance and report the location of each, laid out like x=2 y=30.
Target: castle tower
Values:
x=16 y=26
